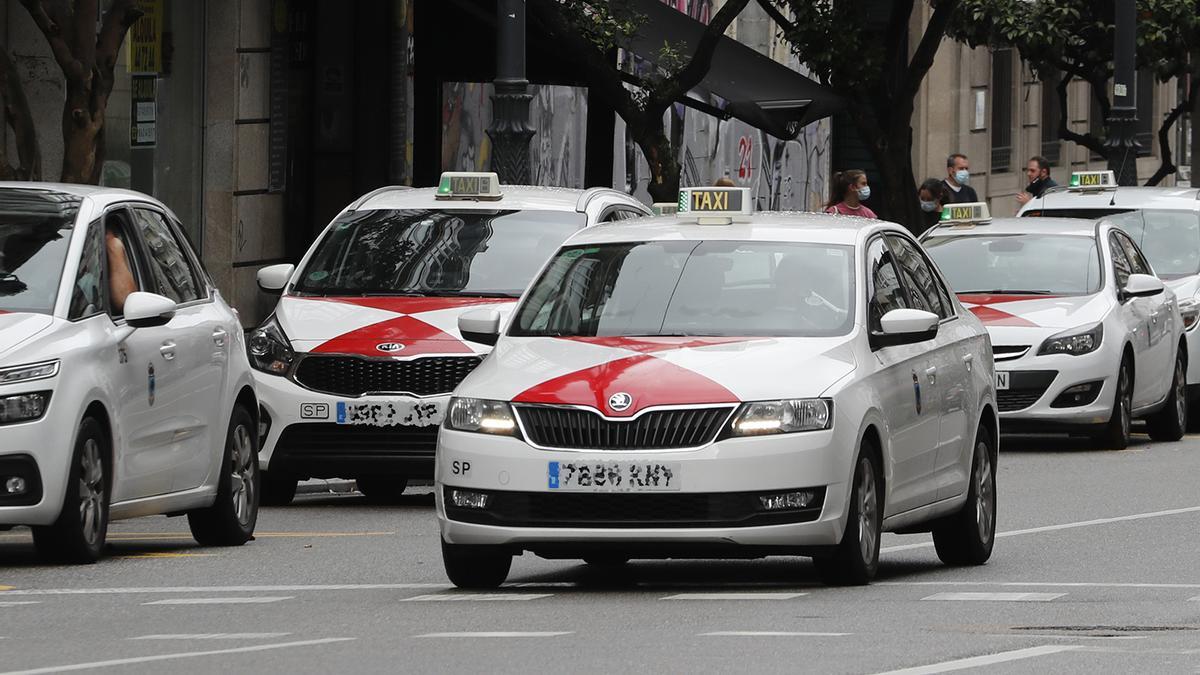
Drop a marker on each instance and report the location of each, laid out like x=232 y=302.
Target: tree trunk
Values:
x=83 y=157
x=660 y=155
x=16 y=111
x=1166 y=165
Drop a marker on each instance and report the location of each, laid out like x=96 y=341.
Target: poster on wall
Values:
x=145 y=53
x=143 y=113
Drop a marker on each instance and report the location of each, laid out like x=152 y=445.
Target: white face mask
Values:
x=928 y=207
x=864 y=193
x=962 y=176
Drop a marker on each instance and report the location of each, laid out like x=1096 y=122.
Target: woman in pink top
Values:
x=848 y=190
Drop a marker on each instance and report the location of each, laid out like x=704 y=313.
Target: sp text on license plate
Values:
x=607 y=476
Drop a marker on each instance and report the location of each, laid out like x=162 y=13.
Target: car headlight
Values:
x=23 y=407
x=1189 y=308
x=782 y=417
x=31 y=371
x=1074 y=342
x=269 y=350
x=481 y=416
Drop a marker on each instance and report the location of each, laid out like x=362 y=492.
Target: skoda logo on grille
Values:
x=389 y=347
x=620 y=401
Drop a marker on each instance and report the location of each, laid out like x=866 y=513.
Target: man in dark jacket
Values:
x=958 y=174
x=1038 y=171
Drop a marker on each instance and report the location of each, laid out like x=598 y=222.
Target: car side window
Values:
x=918 y=276
x=89 y=296
x=169 y=265
x=1121 y=268
x=124 y=261
x=884 y=292
x=1137 y=262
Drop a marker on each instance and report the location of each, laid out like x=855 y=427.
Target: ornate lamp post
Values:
x=510 y=130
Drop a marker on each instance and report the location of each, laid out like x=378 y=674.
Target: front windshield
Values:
x=693 y=288
x=442 y=252
x=1170 y=239
x=1028 y=264
x=35 y=233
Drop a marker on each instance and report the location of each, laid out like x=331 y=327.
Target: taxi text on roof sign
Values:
x=723 y=202
x=972 y=212
x=1093 y=180
x=468 y=185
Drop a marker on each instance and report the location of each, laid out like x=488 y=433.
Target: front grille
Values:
x=631 y=510
x=1010 y=401
x=353 y=440
x=1025 y=388
x=355 y=376
x=1009 y=352
x=573 y=428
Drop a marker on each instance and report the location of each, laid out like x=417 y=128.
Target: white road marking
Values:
x=134 y=590
x=485 y=597
x=987 y=660
x=17 y=603
x=734 y=596
x=768 y=633
x=1061 y=526
x=1035 y=584
x=494 y=634
x=260 y=600
x=179 y=655
x=212 y=636
x=996 y=597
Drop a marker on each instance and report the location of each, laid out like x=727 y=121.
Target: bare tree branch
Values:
x=19 y=117
x=927 y=48
x=53 y=33
x=1064 y=128
x=701 y=61
x=777 y=16
x=117 y=21
x=1166 y=165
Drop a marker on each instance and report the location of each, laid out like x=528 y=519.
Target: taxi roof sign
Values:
x=714 y=204
x=969 y=213
x=664 y=208
x=1093 y=180
x=469 y=185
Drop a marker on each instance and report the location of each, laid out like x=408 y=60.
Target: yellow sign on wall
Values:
x=146 y=38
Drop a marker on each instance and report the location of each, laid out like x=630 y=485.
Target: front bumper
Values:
x=40 y=451
x=713 y=509
x=1035 y=399
x=304 y=439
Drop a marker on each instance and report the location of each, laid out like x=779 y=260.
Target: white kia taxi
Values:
x=1085 y=337
x=124 y=385
x=357 y=363
x=722 y=383
x=1165 y=224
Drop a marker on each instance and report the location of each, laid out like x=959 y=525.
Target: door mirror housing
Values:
x=1142 y=286
x=273 y=279
x=480 y=325
x=147 y=310
x=905 y=326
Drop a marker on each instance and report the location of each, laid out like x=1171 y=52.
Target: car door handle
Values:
x=969 y=359
x=167 y=350
x=931 y=373
x=218 y=337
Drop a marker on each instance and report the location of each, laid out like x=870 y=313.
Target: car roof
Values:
x=102 y=195
x=513 y=197
x=791 y=226
x=1028 y=225
x=1131 y=197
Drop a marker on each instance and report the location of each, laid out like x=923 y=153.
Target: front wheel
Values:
x=230 y=520
x=966 y=538
x=1115 y=435
x=82 y=526
x=1170 y=423
x=470 y=566
x=854 y=561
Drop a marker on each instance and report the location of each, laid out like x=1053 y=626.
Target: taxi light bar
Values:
x=714 y=205
x=478 y=186
x=1093 y=180
x=971 y=213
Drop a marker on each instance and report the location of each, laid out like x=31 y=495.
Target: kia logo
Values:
x=620 y=401
x=389 y=347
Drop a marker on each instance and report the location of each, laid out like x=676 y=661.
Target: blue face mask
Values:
x=864 y=193
x=962 y=176
x=928 y=207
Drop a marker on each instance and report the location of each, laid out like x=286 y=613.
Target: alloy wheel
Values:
x=1125 y=394
x=91 y=491
x=1180 y=391
x=243 y=470
x=867 y=511
x=985 y=493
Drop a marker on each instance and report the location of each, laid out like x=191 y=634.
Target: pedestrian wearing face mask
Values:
x=958 y=174
x=847 y=192
x=1037 y=169
x=932 y=195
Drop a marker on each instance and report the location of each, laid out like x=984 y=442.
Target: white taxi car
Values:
x=1165 y=224
x=723 y=383
x=1085 y=336
x=357 y=363
x=124 y=385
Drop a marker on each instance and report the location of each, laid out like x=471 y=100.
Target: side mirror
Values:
x=273 y=279
x=480 y=325
x=147 y=310
x=1142 y=286
x=905 y=326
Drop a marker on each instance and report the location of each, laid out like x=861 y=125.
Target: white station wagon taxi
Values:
x=1085 y=336
x=1165 y=224
x=723 y=383
x=357 y=363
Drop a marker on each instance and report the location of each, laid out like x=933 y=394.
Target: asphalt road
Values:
x=1096 y=569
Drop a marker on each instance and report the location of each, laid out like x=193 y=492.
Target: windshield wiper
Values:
x=1007 y=291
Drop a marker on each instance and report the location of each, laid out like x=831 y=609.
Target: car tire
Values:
x=1170 y=423
x=471 y=566
x=382 y=490
x=853 y=562
x=277 y=489
x=231 y=519
x=1115 y=435
x=966 y=538
x=79 y=533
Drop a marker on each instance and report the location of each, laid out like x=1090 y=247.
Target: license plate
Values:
x=1001 y=380
x=410 y=413
x=605 y=476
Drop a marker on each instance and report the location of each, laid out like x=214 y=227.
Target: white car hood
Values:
x=658 y=371
x=1022 y=319
x=18 y=327
x=359 y=325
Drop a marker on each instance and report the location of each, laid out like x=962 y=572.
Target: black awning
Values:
x=753 y=88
